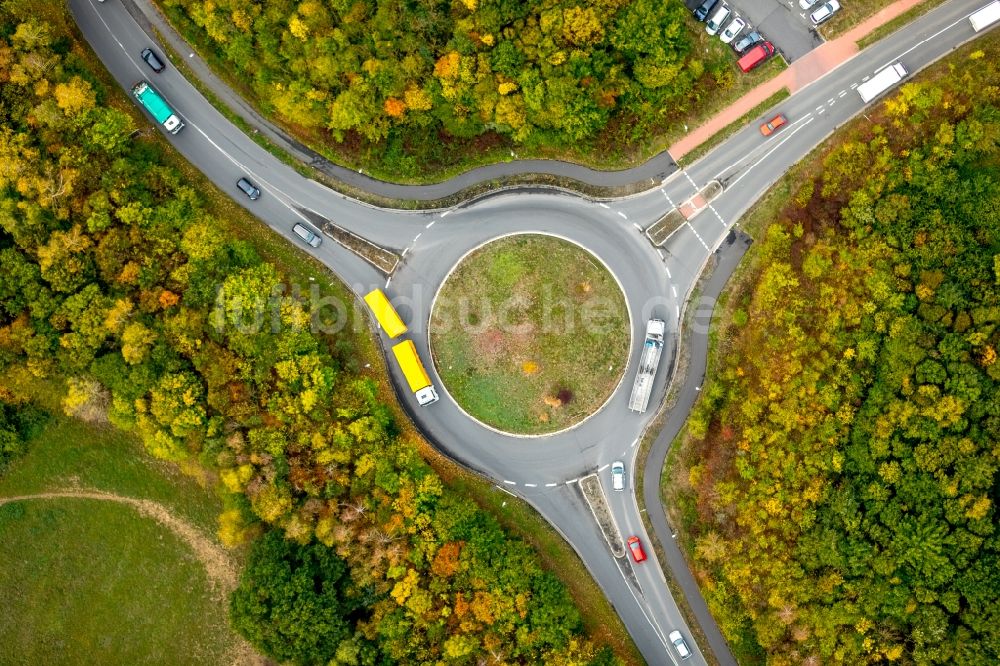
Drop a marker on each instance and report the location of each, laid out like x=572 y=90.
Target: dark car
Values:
x=748 y=40
x=152 y=60
x=703 y=10
x=248 y=189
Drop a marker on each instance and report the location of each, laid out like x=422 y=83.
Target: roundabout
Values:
x=530 y=334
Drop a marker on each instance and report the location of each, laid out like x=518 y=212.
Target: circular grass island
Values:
x=530 y=334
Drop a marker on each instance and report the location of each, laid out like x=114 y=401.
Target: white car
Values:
x=618 y=475
x=823 y=13
x=717 y=19
x=733 y=29
x=677 y=640
x=806 y=4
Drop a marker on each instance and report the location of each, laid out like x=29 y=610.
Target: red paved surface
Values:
x=807 y=69
x=692 y=206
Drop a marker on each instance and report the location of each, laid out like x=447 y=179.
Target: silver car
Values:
x=826 y=11
x=306 y=234
x=720 y=16
x=677 y=640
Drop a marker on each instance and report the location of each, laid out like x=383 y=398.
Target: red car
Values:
x=638 y=554
x=768 y=128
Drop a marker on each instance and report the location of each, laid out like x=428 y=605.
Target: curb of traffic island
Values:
x=660 y=231
x=593 y=493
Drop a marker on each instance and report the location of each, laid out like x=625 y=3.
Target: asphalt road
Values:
x=656 y=282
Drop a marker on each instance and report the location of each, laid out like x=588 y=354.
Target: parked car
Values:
x=720 y=16
x=768 y=128
x=638 y=554
x=756 y=56
x=248 y=189
x=677 y=640
x=704 y=9
x=826 y=11
x=733 y=29
x=747 y=40
x=152 y=60
x=806 y=4
x=618 y=475
x=307 y=234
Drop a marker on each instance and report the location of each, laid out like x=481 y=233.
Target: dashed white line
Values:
x=842 y=93
x=674 y=290
x=830 y=101
x=717 y=216
x=445 y=213
x=417 y=237
x=603 y=205
x=551 y=485
x=822 y=112
x=695 y=186
x=430 y=224
x=404 y=252
x=634 y=443
x=637 y=226
x=677 y=312
x=572 y=481
x=622 y=215
x=510 y=483
x=663 y=255
x=388 y=281
x=697 y=235
x=601 y=469
x=853 y=86
x=820 y=109
x=669 y=276
x=531 y=485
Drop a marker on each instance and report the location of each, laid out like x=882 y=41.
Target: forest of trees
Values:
x=112 y=267
x=843 y=466
x=405 y=75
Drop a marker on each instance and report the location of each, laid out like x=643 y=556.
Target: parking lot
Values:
x=782 y=22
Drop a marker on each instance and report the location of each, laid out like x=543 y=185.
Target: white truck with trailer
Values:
x=649 y=361
x=881 y=82
x=985 y=17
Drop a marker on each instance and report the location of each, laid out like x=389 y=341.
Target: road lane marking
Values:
x=388 y=281
x=622 y=215
x=673 y=289
x=830 y=101
x=603 y=205
x=445 y=213
x=404 y=253
x=697 y=235
x=430 y=224
x=719 y=217
x=531 y=485
x=637 y=226
x=601 y=469
x=842 y=93
x=924 y=41
x=668 y=270
x=417 y=237
x=820 y=109
x=853 y=86
x=632 y=446
x=510 y=483
x=551 y=485
x=572 y=481
x=787 y=137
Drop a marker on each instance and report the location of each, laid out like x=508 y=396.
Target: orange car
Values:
x=638 y=554
x=767 y=129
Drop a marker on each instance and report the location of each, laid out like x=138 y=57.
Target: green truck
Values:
x=157 y=107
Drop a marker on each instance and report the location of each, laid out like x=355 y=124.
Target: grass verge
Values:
x=895 y=24
x=530 y=334
x=732 y=128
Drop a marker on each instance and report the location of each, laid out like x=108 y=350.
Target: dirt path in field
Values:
x=220 y=569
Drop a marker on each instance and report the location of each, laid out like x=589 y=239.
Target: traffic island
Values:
x=530 y=334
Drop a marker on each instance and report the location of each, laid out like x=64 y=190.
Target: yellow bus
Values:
x=386 y=315
x=413 y=370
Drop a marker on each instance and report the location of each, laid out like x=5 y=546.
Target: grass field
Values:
x=97 y=581
x=530 y=334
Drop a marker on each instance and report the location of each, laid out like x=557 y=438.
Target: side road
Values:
x=651 y=173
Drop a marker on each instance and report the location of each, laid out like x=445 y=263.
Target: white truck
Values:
x=985 y=17
x=649 y=361
x=881 y=82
